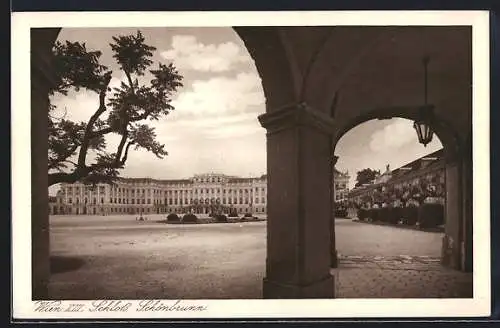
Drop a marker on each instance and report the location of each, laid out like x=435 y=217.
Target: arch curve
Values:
x=446 y=134
x=265 y=46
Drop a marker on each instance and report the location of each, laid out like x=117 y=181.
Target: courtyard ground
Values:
x=117 y=257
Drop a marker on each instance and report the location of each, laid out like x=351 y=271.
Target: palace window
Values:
x=256 y=200
x=70 y=200
x=133 y=201
x=102 y=200
x=263 y=200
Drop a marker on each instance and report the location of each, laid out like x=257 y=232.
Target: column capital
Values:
x=296 y=115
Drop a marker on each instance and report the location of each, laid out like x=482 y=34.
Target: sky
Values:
x=214 y=127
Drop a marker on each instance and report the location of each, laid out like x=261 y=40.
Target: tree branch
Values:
x=129 y=78
x=101 y=132
x=124 y=159
x=88 y=129
x=72 y=177
x=120 y=146
x=64 y=157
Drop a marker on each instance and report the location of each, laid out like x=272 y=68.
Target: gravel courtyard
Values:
x=117 y=257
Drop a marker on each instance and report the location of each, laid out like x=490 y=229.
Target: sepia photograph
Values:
x=177 y=165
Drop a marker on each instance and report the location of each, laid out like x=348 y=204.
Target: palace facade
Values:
x=200 y=194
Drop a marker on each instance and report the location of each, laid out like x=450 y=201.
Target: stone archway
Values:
x=457 y=241
x=265 y=47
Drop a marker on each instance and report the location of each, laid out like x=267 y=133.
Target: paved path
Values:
x=399 y=277
x=118 y=257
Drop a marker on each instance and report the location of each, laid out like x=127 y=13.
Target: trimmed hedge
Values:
x=383 y=214
x=220 y=218
x=340 y=213
x=248 y=215
x=395 y=215
x=362 y=214
x=190 y=218
x=426 y=215
x=410 y=215
x=233 y=215
x=373 y=214
x=172 y=217
x=430 y=215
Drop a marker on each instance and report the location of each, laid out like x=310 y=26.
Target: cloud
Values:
x=393 y=136
x=221 y=95
x=76 y=106
x=188 y=53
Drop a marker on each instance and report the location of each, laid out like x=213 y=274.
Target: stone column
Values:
x=334 y=260
x=452 y=239
x=41 y=79
x=467 y=249
x=299 y=203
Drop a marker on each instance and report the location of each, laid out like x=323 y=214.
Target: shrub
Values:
x=430 y=215
x=373 y=214
x=220 y=218
x=340 y=212
x=189 y=218
x=383 y=214
x=410 y=215
x=395 y=214
x=248 y=215
x=172 y=217
x=362 y=214
x=233 y=215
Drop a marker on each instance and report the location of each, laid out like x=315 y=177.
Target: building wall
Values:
x=136 y=195
x=428 y=179
x=341 y=186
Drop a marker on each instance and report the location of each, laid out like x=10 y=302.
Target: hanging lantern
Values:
x=423 y=125
x=425 y=114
